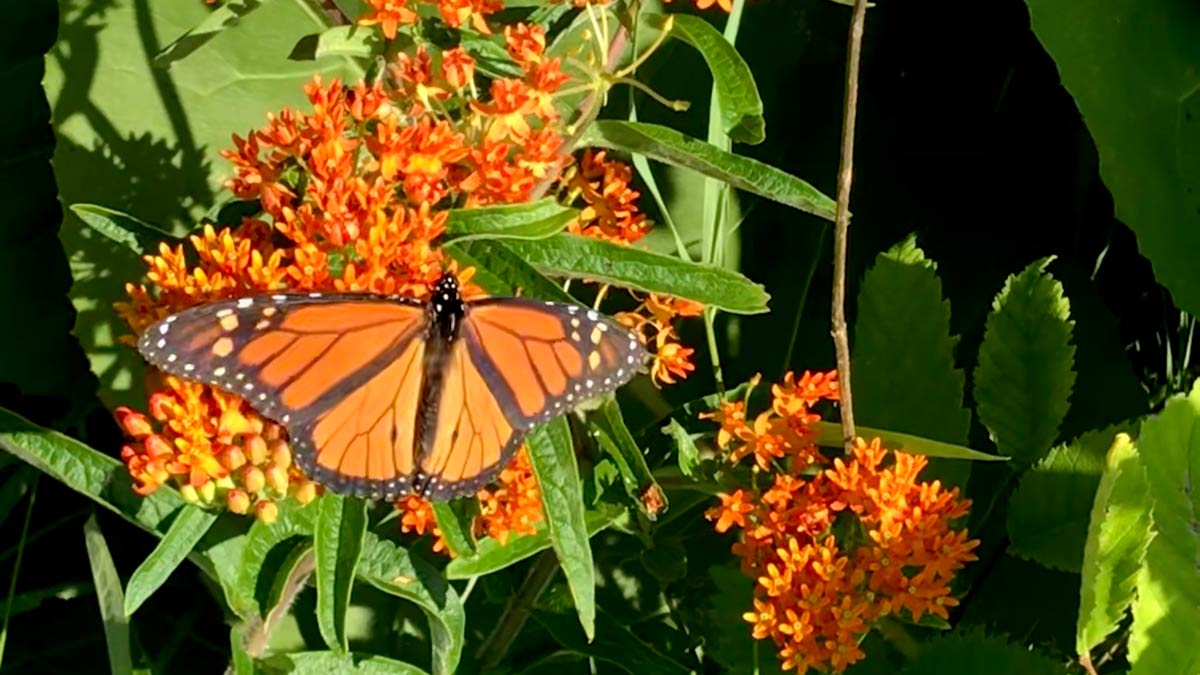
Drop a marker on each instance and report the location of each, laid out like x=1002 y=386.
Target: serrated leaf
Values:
x=829 y=435
x=903 y=367
x=1166 y=614
x=609 y=425
x=979 y=654
x=293 y=521
x=454 y=520
x=188 y=528
x=390 y=569
x=1026 y=364
x=671 y=147
x=613 y=642
x=553 y=456
x=686 y=452
x=1048 y=513
x=112 y=600
x=741 y=106
x=536 y=220
x=493 y=556
x=132 y=233
x=579 y=257
x=341 y=526
x=352 y=41
x=1118 y=535
x=330 y=663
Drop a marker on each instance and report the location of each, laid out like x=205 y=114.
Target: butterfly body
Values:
x=385 y=396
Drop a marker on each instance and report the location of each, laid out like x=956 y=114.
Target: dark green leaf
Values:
x=1131 y=67
x=1166 y=613
x=493 y=556
x=1026 y=364
x=491 y=58
x=353 y=41
x=390 y=569
x=112 y=601
x=579 y=257
x=553 y=457
x=329 y=663
x=536 y=220
x=980 y=654
x=499 y=271
x=454 y=520
x=671 y=147
x=686 y=451
x=741 y=107
x=829 y=435
x=609 y=427
x=903 y=368
x=613 y=642
x=188 y=528
x=293 y=521
x=341 y=526
x=134 y=234
x=1118 y=536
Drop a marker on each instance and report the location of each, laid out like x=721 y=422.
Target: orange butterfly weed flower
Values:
x=726 y=5
x=816 y=596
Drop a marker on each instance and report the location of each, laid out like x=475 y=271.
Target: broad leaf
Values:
x=188 y=528
x=224 y=16
x=499 y=271
x=1048 y=512
x=829 y=435
x=1131 y=66
x=980 y=654
x=330 y=663
x=454 y=520
x=341 y=526
x=1026 y=364
x=741 y=107
x=553 y=457
x=390 y=569
x=903 y=368
x=535 y=220
x=293 y=521
x=671 y=147
x=1166 y=614
x=1117 y=538
x=134 y=234
x=112 y=601
x=579 y=257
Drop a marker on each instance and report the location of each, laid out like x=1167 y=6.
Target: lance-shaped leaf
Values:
x=829 y=435
x=136 y=235
x=354 y=41
x=609 y=426
x=579 y=257
x=112 y=600
x=188 y=528
x=293 y=521
x=1166 y=613
x=499 y=271
x=225 y=16
x=454 y=520
x=535 y=220
x=671 y=147
x=1117 y=538
x=741 y=106
x=341 y=525
x=1026 y=364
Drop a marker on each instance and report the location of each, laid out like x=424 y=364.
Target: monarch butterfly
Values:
x=385 y=396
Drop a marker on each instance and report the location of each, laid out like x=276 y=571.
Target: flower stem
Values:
x=12 y=582
x=518 y=610
x=841 y=338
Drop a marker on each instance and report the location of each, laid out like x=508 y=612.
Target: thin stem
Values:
x=841 y=339
x=710 y=316
x=12 y=582
x=677 y=105
x=518 y=610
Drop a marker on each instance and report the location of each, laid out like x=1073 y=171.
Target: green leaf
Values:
x=609 y=426
x=341 y=526
x=1166 y=613
x=1048 y=513
x=188 y=528
x=491 y=57
x=1132 y=67
x=903 y=368
x=242 y=662
x=979 y=654
x=671 y=147
x=553 y=457
x=614 y=642
x=225 y=16
x=361 y=42
x=493 y=556
x=499 y=271
x=1026 y=364
x=390 y=569
x=536 y=220
x=727 y=637
x=329 y=663
x=579 y=257
x=293 y=521
x=829 y=435
x=134 y=234
x=741 y=107
x=112 y=601
x=686 y=451
x=454 y=521
x=1117 y=539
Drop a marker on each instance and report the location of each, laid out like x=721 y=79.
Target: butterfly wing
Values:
x=517 y=363
x=342 y=372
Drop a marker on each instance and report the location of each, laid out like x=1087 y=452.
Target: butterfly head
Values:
x=446 y=305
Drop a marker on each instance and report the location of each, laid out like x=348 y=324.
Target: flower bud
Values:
x=157 y=446
x=237 y=501
x=267 y=512
x=208 y=492
x=189 y=494
x=277 y=478
x=281 y=454
x=253 y=479
x=233 y=459
x=306 y=491
x=256 y=450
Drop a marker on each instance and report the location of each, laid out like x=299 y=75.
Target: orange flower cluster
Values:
x=514 y=506
x=389 y=15
x=816 y=596
x=652 y=320
x=611 y=211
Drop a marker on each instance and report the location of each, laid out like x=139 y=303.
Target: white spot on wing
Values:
x=245 y=302
x=592 y=315
x=163 y=329
x=219 y=371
